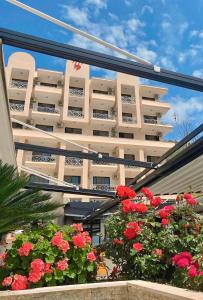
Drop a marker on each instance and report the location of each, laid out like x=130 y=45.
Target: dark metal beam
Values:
x=89 y=156
x=101 y=60
x=70 y=190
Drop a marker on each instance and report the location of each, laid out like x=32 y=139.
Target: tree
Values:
x=20 y=206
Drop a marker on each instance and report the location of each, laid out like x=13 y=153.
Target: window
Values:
x=128 y=180
x=73 y=130
x=75 y=108
x=72 y=179
x=129 y=115
x=100 y=133
x=153 y=159
x=151 y=137
x=16 y=125
x=101 y=92
x=36 y=179
x=45 y=127
x=150 y=119
x=125 y=135
x=148 y=98
x=46 y=107
x=48 y=84
x=101 y=180
x=12 y=101
x=99 y=111
x=75 y=88
x=129 y=156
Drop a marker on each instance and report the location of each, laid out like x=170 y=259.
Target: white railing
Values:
x=47 y=109
x=73 y=161
x=128 y=99
x=129 y=119
x=16 y=107
x=75 y=114
x=43 y=158
x=102 y=116
x=103 y=187
x=18 y=84
x=76 y=92
x=151 y=121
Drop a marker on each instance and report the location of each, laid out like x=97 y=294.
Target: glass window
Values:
x=46 y=105
x=45 y=127
x=101 y=180
x=72 y=179
x=153 y=159
x=100 y=92
x=127 y=115
x=126 y=135
x=99 y=111
x=148 y=98
x=100 y=133
x=75 y=108
x=73 y=130
x=16 y=125
x=36 y=179
x=12 y=101
x=48 y=84
x=128 y=180
x=151 y=137
x=129 y=156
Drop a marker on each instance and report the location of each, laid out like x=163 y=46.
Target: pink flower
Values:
x=7 y=281
x=25 y=249
x=78 y=227
x=37 y=265
x=129 y=233
x=62 y=264
x=34 y=276
x=64 y=246
x=91 y=256
x=19 y=283
x=158 y=252
x=192 y=272
x=79 y=240
x=189 y=199
x=86 y=236
x=156 y=201
x=47 y=269
x=137 y=246
x=117 y=241
x=164 y=222
x=182 y=260
x=57 y=238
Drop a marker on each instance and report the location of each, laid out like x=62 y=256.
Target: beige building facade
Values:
x=117 y=117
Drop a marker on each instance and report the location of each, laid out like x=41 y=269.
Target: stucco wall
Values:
x=125 y=290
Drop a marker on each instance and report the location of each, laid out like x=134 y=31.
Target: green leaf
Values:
x=90 y=267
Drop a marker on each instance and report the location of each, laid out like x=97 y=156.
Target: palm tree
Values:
x=20 y=206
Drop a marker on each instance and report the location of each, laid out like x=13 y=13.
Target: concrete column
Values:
x=84 y=179
x=61 y=163
x=121 y=168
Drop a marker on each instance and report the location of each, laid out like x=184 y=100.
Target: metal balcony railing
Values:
x=18 y=84
x=129 y=119
x=97 y=162
x=75 y=114
x=47 y=109
x=150 y=121
x=103 y=187
x=16 y=107
x=130 y=166
x=43 y=158
x=128 y=99
x=73 y=161
x=103 y=116
x=76 y=92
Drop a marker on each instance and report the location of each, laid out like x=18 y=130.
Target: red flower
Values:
x=78 y=227
x=117 y=241
x=134 y=225
x=25 y=249
x=7 y=281
x=186 y=225
x=197 y=227
x=183 y=263
x=147 y=193
x=189 y=199
x=192 y=272
x=91 y=256
x=137 y=247
x=37 y=265
x=182 y=260
x=57 y=238
x=126 y=205
x=19 y=283
x=158 y=252
x=47 y=269
x=125 y=192
x=156 y=201
x=62 y=264
x=169 y=208
x=63 y=246
x=86 y=236
x=164 y=222
x=140 y=207
x=129 y=233
x=79 y=240
x=34 y=276
x=178 y=198
x=3 y=256
x=164 y=213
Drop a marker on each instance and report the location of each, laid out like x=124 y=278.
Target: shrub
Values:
x=49 y=256
x=144 y=236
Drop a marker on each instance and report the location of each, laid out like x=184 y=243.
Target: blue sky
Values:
x=168 y=33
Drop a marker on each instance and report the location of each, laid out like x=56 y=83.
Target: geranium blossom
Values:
x=129 y=233
x=19 y=283
x=192 y=272
x=79 y=240
x=147 y=193
x=62 y=265
x=78 y=227
x=158 y=252
x=47 y=268
x=25 y=249
x=182 y=260
x=125 y=192
x=37 y=265
x=189 y=199
x=63 y=246
x=139 y=207
x=34 y=276
x=137 y=246
x=117 y=241
x=7 y=281
x=126 y=206
x=57 y=238
x=156 y=201
x=164 y=222
x=91 y=256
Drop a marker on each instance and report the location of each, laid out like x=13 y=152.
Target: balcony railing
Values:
x=18 y=84
x=75 y=114
x=103 y=187
x=128 y=99
x=73 y=161
x=150 y=121
x=97 y=162
x=76 y=92
x=16 y=107
x=43 y=158
x=130 y=166
x=129 y=119
x=103 y=116
x=47 y=109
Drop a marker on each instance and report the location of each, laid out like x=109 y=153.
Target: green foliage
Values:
x=18 y=206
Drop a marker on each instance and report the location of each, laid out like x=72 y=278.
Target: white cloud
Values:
x=99 y=4
x=147 y=8
x=128 y=2
x=135 y=24
x=165 y=25
x=198 y=73
x=145 y=53
x=183 y=27
x=167 y=63
x=196 y=33
x=77 y=16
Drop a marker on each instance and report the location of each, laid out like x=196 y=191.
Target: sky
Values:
x=168 y=33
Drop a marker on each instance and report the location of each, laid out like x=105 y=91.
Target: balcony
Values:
x=150 y=121
x=19 y=84
x=107 y=99
x=76 y=92
x=131 y=120
x=16 y=107
x=103 y=116
x=47 y=109
x=73 y=161
x=43 y=158
x=103 y=187
x=127 y=99
x=75 y=114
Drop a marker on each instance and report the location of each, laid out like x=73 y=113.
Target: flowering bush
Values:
x=48 y=256
x=150 y=240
